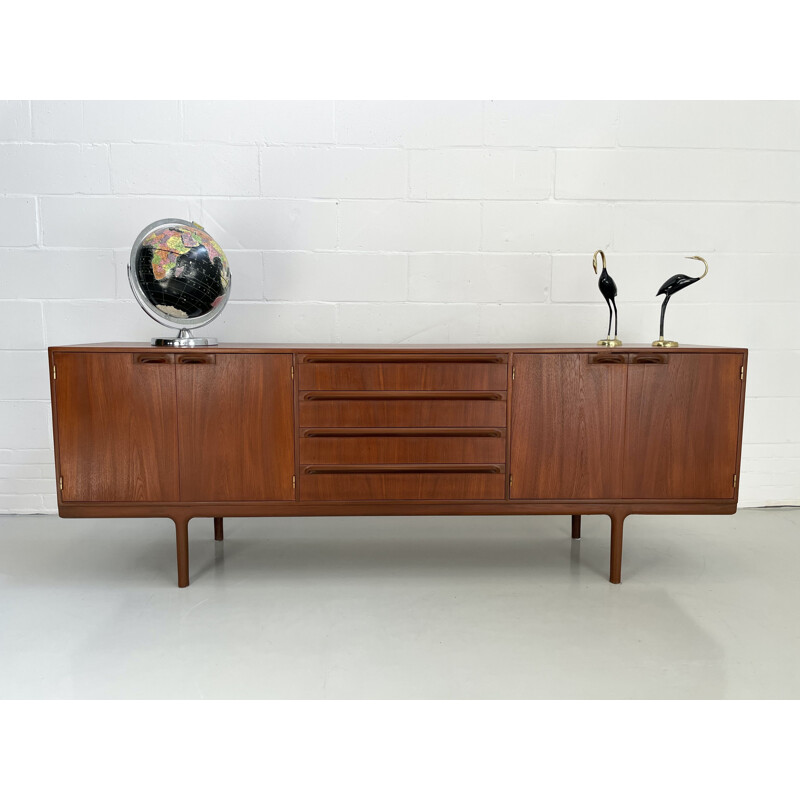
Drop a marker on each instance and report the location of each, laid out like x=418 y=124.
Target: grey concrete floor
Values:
x=428 y=607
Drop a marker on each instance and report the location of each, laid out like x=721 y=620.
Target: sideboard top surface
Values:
x=233 y=347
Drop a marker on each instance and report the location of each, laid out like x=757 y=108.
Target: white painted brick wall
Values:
x=728 y=227
x=280 y=122
x=21 y=323
x=477 y=174
x=551 y=124
x=422 y=221
x=711 y=125
x=106 y=121
x=336 y=277
x=15 y=120
x=333 y=172
x=54 y=169
x=103 y=222
x=546 y=226
x=184 y=169
x=427 y=123
x=18 y=221
x=650 y=174
x=25 y=375
x=478 y=277
x=249 y=283
x=409 y=226
x=50 y=274
x=270 y=224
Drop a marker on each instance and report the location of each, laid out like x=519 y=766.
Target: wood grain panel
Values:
x=412 y=486
x=682 y=427
x=236 y=428
x=402 y=449
x=436 y=376
x=567 y=430
x=117 y=427
x=393 y=413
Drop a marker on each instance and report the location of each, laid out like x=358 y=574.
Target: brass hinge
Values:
x=60 y=484
x=294 y=481
x=513 y=373
x=741 y=374
x=734 y=481
x=54 y=371
x=510 y=481
x=292 y=371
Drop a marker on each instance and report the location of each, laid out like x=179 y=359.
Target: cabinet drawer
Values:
x=409 y=447
x=455 y=409
x=488 y=373
x=484 y=482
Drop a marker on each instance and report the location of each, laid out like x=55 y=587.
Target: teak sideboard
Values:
x=252 y=430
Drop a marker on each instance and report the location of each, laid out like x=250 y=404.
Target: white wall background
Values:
x=408 y=222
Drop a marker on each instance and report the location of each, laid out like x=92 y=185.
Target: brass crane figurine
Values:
x=668 y=288
x=609 y=290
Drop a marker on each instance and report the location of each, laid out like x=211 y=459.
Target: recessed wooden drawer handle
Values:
x=405 y=469
x=197 y=358
x=377 y=395
x=147 y=358
x=395 y=358
x=361 y=433
x=608 y=358
x=650 y=358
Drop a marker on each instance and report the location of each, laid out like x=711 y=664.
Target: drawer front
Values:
x=375 y=485
x=321 y=409
x=476 y=447
x=409 y=376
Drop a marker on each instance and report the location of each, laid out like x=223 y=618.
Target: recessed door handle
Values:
x=650 y=358
x=405 y=469
x=608 y=358
x=397 y=433
x=403 y=358
x=400 y=395
x=197 y=358
x=153 y=358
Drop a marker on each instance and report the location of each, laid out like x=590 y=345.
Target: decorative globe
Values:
x=180 y=276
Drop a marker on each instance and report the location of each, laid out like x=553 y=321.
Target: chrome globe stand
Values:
x=184 y=339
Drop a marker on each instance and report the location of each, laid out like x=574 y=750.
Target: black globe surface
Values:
x=179 y=274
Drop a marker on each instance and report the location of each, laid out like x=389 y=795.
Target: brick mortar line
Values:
x=488 y=146
x=555 y=201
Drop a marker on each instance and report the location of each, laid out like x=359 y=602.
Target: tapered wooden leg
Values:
x=576 y=526
x=617 y=521
x=182 y=542
x=218 y=529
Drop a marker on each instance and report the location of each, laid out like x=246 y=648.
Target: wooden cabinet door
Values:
x=235 y=426
x=567 y=423
x=682 y=430
x=117 y=427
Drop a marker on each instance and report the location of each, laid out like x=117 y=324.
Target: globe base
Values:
x=184 y=342
x=184 y=339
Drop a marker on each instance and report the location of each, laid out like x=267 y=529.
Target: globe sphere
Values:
x=179 y=274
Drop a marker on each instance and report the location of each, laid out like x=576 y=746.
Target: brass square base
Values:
x=662 y=342
x=609 y=342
